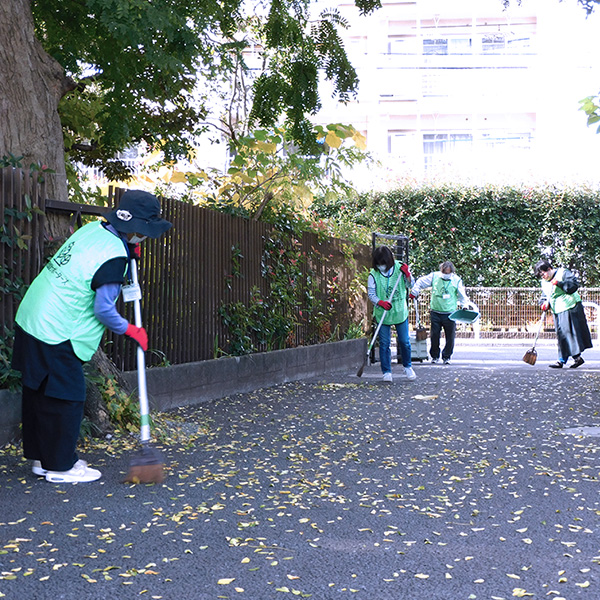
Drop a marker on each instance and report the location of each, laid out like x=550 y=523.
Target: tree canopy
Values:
x=133 y=67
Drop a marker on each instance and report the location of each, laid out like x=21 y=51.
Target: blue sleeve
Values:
x=105 y=309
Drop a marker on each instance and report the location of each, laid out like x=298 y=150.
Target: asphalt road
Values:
x=478 y=480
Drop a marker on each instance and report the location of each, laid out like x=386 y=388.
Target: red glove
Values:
x=412 y=296
x=545 y=306
x=136 y=251
x=385 y=304
x=139 y=335
x=404 y=269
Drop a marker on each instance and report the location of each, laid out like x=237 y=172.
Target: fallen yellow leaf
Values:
x=226 y=581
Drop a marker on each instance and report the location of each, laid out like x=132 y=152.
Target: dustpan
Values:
x=464 y=316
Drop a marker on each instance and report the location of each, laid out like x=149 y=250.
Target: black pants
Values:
x=439 y=321
x=50 y=429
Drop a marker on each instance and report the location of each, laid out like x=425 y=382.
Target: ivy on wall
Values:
x=494 y=235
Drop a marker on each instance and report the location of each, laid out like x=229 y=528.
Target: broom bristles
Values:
x=146 y=467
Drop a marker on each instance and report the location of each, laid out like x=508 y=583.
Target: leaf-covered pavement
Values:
x=460 y=485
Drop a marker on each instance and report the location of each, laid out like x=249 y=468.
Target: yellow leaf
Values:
x=178 y=177
x=521 y=593
x=226 y=581
x=333 y=140
x=512 y=576
x=419 y=397
x=293 y=577
x=245 y=560
x=360 y=140
x=267 y=147
x=239 y=589
x=422 y=576
x=583 y=585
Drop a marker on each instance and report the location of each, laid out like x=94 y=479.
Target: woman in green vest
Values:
x=560 y=295
x=393 y=310
x=60 y=323
x=447 y=290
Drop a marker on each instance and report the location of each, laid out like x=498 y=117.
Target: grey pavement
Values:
x=478 y=480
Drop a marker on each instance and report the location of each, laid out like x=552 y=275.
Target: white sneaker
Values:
x=388 y=377
x=410 y=373
x=434 y=361
x=79 y=472
x=37 y=469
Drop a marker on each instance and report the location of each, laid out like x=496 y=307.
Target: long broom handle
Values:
x=539 y=329
x=141 y=365
x=385 y=312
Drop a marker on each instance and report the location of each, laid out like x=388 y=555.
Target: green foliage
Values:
x=493 y=235
x=267 y=172
x=139 y=69
x=292 y=298
x=591 y=108
x=123 y=409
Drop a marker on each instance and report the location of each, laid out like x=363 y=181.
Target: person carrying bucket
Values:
x=447 y=291
x=59 y=325
x=387 y=286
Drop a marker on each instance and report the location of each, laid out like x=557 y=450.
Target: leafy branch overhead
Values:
x=135 y=68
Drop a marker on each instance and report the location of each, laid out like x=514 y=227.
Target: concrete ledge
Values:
x=192 y=383
x=10 y=416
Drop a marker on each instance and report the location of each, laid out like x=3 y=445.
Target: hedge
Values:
x=494 y=235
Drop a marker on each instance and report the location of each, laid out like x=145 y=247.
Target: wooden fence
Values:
x=22 y=204
x=209 y=259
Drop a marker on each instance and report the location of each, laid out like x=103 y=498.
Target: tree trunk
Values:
x=95 y=408
x=31 y=85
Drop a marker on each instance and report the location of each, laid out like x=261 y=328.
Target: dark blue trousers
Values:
x=441 y=321
x=50 y=429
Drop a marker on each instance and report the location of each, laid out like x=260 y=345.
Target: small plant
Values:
x=122 y=408
x=354 y=331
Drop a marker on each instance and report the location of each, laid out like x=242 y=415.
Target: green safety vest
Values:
x=444 y=294
x=384 y=286
x=559 y=300
x=59 y=304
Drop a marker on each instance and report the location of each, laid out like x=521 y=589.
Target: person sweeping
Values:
x=59 y=325
x=560 y=295
x=393 y=309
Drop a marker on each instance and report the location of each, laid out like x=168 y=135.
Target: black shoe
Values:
x=577 y=363
x=556 y=365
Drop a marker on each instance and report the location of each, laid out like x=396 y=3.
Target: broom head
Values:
x=530 y=356
x=146 y=467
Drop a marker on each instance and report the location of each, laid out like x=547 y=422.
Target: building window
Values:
x=435 y=46
x=493 y=44
x=436 y=145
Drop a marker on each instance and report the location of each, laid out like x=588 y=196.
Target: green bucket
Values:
x=464 y=316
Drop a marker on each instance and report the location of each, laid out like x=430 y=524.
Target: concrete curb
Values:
x=193 y=383
x=10 y=416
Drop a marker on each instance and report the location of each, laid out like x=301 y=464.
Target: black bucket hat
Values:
x=138 y=212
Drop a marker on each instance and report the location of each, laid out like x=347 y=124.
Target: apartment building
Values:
x=466 y=89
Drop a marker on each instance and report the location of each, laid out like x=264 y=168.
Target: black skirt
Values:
x=572 y=331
